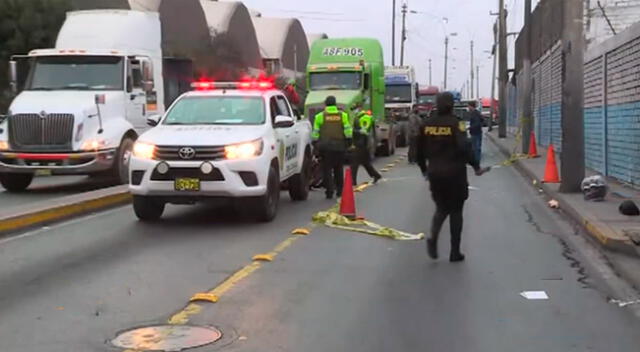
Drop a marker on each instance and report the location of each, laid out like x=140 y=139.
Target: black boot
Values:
x=456 y=257
x=432 y=248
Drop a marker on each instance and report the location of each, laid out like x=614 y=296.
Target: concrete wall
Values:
x=612 y=106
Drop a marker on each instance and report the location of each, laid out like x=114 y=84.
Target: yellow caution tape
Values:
x=300 y=231
x=263 y=257
x=207 y=297
x=335 y=220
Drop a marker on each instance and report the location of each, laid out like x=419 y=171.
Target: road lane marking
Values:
x=183 y=316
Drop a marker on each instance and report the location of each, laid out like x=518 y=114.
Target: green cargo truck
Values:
x=352 y=70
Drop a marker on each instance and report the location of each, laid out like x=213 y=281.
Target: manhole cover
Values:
x=167 y=338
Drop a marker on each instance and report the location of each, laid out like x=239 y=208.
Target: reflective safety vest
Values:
x=332 y=128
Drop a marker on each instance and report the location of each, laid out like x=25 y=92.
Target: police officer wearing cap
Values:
x=362 y=127
x=444 y=143
x=332 y=133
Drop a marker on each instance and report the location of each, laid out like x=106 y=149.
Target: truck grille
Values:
x=168 y=153
x=32 y=132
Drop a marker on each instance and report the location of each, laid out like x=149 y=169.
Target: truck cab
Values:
x=427 y=100
x=81 y=105
x=351 y=69
x=401 y=96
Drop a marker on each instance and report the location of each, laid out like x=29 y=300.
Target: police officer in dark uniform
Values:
x=362 y=129
x=443 y=141
x=332 y=133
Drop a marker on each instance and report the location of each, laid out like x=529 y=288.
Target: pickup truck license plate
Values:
x=187 y=184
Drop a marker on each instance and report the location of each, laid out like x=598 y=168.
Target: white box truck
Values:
x=81 y=105
x=401 y=97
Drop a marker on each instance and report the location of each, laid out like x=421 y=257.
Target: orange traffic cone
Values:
x=348 y=201
x=551 y=170
x=533 y=148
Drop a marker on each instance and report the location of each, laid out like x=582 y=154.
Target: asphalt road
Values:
x=74 y=286
x=49 y=187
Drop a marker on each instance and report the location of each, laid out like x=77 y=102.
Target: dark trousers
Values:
x=476 y=143
x=361 y=157
x=413 y=149
x=332 y=171
x=449 y=194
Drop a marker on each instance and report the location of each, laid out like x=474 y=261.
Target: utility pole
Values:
x=404 y=32
x=478 y=81
x=527 y=81
x=572 y=158
x=429 y=71
x=472 y=74
x=502 y=95
x=493 y=75
x=393 y=34
x=446 y=59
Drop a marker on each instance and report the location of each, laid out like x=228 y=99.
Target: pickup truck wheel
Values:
x=385 y=148
x=147 y=209
x=121 y=164
x=15 y=182
x=265 y=207
x=299 y=183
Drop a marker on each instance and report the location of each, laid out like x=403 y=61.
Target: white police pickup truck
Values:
x=237 y=141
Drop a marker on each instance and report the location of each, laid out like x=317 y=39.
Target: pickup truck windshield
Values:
x=217 y=110
x=336 y=80
x=398 y=94
x=77 y=73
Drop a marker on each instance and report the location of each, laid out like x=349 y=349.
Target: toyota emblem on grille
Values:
x=187 y=153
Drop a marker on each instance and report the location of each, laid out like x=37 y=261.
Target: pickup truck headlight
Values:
x=244 y=150
x=144 y=150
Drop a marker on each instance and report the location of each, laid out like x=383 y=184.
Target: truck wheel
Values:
x=401 y=140
x=299 y=183
x=15 y=182
x=385 y=148
x=265 y=208
x=147 y=209
x=121 y=164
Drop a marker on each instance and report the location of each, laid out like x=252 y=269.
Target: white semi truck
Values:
x=81 y=105
x=401 y=96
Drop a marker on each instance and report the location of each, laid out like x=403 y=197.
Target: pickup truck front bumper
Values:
x=229 y=178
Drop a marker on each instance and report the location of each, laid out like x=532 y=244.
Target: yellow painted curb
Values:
x=61 y=212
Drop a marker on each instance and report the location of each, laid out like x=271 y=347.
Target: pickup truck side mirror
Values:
x=282 y=121
x=154 y=120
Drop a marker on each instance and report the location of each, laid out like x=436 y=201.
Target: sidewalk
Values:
x=601 y=220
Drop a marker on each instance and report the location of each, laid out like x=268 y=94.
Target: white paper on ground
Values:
x=534 y=295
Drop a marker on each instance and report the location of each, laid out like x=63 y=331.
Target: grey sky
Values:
x=372 y=18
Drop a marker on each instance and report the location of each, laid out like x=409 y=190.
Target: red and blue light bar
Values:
x=248 y=85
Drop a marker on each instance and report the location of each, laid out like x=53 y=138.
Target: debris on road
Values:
x=554 y=204
x=534 y=295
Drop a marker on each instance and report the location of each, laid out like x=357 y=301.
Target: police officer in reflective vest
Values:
x=362 y=127
x=332 y=133
x=444 y=143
